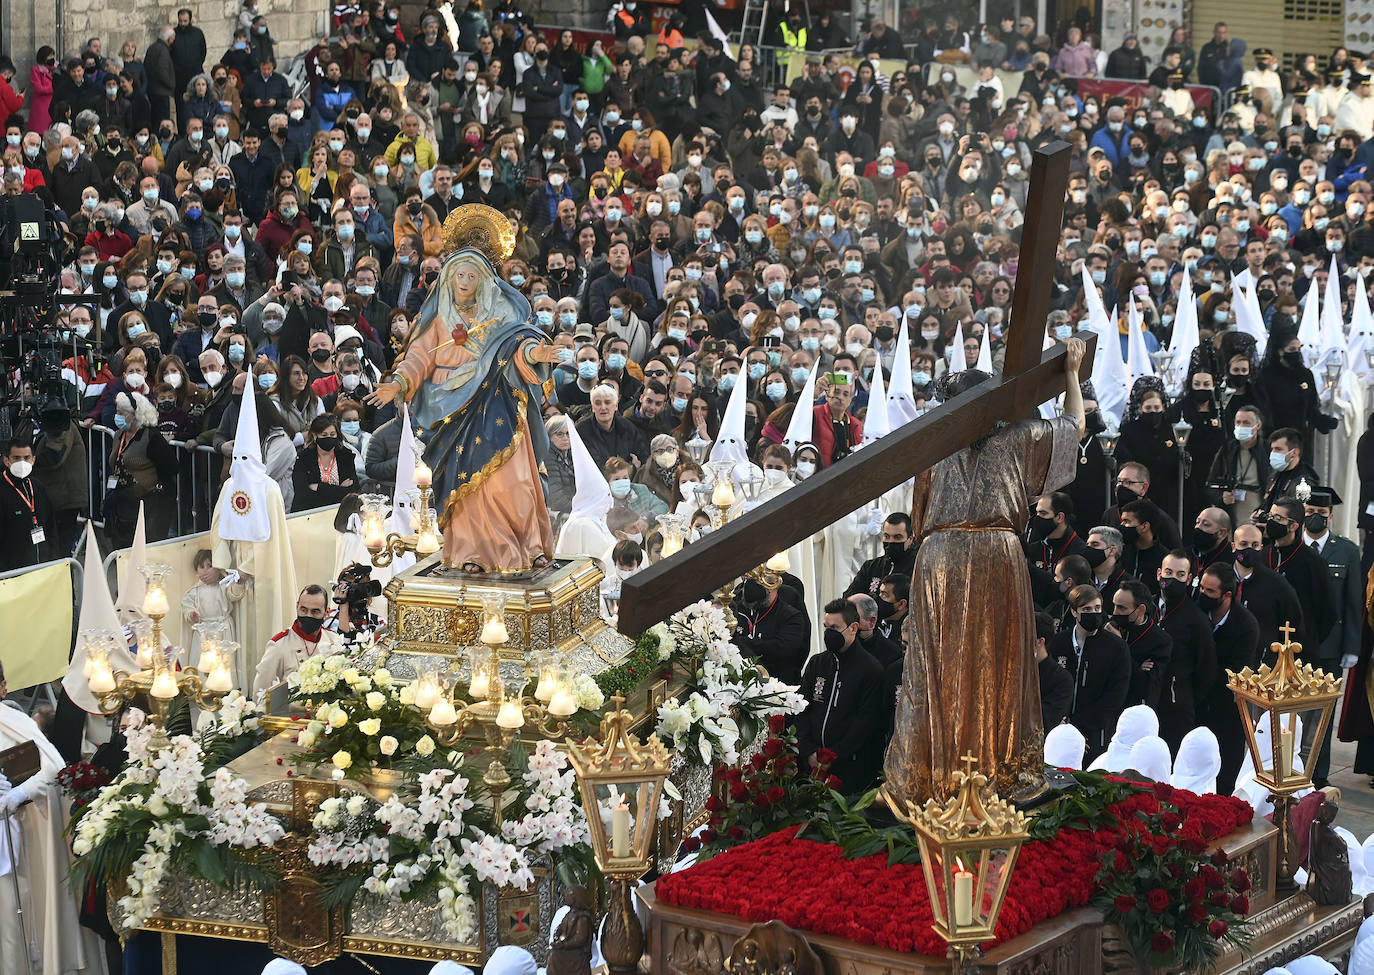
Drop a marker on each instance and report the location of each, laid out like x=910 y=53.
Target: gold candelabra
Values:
x=498 y=713
x=158 y=679
x=387 y=546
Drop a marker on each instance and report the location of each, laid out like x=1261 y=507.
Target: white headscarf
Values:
x=1197 y=763
x=449 y=967
x=1359 y=876
x=1150 y=757
x=1311 y=965
x=280 y=966
x=1064 y=747
x=1134 y=724
x=510 y=960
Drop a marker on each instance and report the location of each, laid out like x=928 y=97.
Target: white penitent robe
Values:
x=57 y=943
x=273 y=569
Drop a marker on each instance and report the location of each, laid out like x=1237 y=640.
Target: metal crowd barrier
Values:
x=195 y=491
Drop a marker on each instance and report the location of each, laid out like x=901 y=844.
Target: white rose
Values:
x=407 y=694
x=356 y=804
x=342 y=760
x=307 y=739
x=376 y=701
x=425 y=746
x=587 y=692
x=370 y=726
x=158 y=806
x=387 y=745
x=382 y=677
x=337 y=718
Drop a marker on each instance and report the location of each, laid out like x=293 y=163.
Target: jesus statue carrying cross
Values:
x=970 y=681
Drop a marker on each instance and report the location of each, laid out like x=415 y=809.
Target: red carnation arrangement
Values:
x=1176 y=907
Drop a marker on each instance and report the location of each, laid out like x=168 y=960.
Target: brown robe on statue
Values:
x=970 y=682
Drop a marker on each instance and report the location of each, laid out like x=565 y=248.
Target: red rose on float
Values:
x=713 y=804
x=1125 y=903
x=1170 y=821
x=777 y=723
x=1194 y=889
x=772 y=748
x=1240 y=880
x=1162 y=942
x=1158 y=899
x=1217 y=929
x=1197 y=913
x=739 y=792
x=1241 y=905
x=1220 y=859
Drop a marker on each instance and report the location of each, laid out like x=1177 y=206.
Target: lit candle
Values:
x=164 y=686
x=480 y=685
x=779 y=563
x=373 y=539
x=426 y=543
x=220 y=681
x=423 y=476
x=1285 y=752
x=209 y=659
x=101 y=680
x=724 y=494
x=426 y=693
x=620 y=831
x=155 y=601
x=145 y=656
x=963 y=895
x=672 y=544
x=443 y=714
x=494 y=631
x=510 y=715
x=562 y=704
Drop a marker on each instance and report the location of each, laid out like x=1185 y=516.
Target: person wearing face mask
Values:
x=1303 y=567
x=1264 y=592
x=1135 y=620
x=142 y=468
x=1147 y=438
x=1235 y=637
x=626 y=491
x=1200 y=408
x=660 y=471
x=1099 y=664
x=306 y=637
x=899 y=556
x=1192 y=669
x=1142 y=554
x=324 y=473
x=846 y=701
x=1103 y=555
x=1050 y=538
x=28 y=526
x=1289 y=387
x=1240 y=471
x=887 y=651
x=1341 y=648
x=1287 y=467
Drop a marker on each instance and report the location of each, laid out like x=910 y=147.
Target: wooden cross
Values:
x=1030 y=376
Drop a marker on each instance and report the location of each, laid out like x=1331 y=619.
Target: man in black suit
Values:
x=1056 y=685
x=1236 y=636
x=899 y=556
x=1050 y=537
x=1142 y=553
x=1261 y=590
x=1289 y=442
x=1304 y=568
x=1133 y=484
x=655 y=261
x=1192 y=669
x=771 y=631
x=618 y=275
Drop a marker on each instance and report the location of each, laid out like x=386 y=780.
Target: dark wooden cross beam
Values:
x=1030 y=376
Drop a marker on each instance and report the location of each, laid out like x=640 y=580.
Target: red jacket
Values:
x=10 y=102
x=274 y=231
x=109 y=247
x=823 y=432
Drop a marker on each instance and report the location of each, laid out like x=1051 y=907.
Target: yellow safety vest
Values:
x=797 y=41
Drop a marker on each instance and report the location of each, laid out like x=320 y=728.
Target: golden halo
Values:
x=482 y=227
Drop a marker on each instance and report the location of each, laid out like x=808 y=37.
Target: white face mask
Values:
x=173 y=379
x=688 y=490
x=212 y=379
x=350 y=381
x=805 y=468
x=21 y=469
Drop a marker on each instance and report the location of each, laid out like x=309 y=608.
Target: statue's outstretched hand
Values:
x=547 y=352
x=1074 y=359
x=384 y=394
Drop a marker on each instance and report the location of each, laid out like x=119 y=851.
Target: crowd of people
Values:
x=683 y=229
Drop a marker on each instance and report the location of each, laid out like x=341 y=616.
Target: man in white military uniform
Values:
x=1357 y=108
x=1265 y=84
x=1326 y=100
x=304 y=638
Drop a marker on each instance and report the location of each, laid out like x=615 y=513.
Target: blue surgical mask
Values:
x=615 y=362
x=137 y=329
x=1063 y=332
x=620 y=487
x=727 y=382
x=1244 y=434
x=825 y=314
x=693 y=274
x=776 y=290
x=679 y=404
x=567 y=318
x=121 y=422
x=236 y=353
x=110 y=281
x=587 y=369
x=853 y=267
x=812 y=295
x=618 y=313
x=866 y=294
x=1157 y=278
x=799 y=375
x=350 y=428
x=235 y=279
x=1219 y=316
x=677 y=334
x=757 y=370
x=920 y=380
x=776 y=390
x=1278 y=460
x=267 y=380
x=1099 y=275
x=545 y=318
x=810 y=343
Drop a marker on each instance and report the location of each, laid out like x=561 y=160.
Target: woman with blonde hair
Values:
x=317 y=179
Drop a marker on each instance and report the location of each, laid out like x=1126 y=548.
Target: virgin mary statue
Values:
x=472 y=371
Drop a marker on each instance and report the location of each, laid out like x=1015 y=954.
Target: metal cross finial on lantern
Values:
x=969 y=845
x=1273 y=702
x=622 y=784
